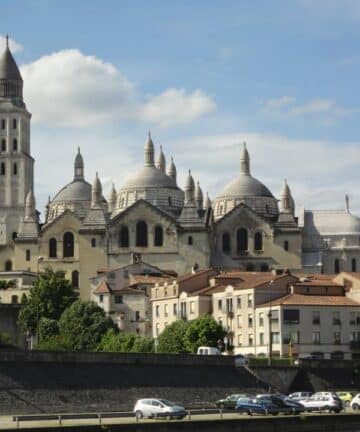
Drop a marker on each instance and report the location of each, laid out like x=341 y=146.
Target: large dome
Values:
x=75 y=196
x=248 y=190
x=152 y=184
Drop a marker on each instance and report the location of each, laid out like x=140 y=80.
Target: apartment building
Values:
x=186 y=297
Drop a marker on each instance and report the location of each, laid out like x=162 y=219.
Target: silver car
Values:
x=153 y=408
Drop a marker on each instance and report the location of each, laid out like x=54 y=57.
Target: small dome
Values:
x=246 y=186
x=149 y=177
x=74 y=191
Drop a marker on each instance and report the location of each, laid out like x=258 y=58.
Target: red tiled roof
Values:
x=146 y=279
x=128 y=290
x=248 y=280
x=102 y=288
x=310 y=300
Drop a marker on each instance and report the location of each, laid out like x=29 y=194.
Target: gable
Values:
x=66 y=221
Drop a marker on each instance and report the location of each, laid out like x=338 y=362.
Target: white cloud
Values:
x=175 y=106
x=14 y=46
x=68 y=88
x=286 y=106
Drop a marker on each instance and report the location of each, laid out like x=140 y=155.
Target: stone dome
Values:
x=248 y=190
x=75 y=196
x=151 y=184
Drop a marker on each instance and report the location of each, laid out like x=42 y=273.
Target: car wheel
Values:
x=355 y=406
x=327 y=409
x=221 y=406
x=274 y=413
x=249 y=412
x=139 y=415
x=336 y=411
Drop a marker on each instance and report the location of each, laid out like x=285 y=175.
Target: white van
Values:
x=208 y=351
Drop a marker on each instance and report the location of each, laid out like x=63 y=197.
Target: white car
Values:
x=153 y=408
x=355 y=402
x=299 y=396
x=323 y=401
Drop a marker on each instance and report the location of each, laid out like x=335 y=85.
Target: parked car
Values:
x=204 y=350
x=298 y=396
x=284 y=404
x=323 y=401
x=346 y=398
x=253 y=406
x=230 y=401
x=355 y=402
x=153 y=408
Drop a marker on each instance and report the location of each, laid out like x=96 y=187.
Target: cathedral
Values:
x=150 y=218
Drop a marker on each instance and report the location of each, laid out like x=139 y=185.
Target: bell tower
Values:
x=16 y=162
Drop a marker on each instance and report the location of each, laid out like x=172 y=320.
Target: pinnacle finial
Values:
x=149 y=134
x=7 y=41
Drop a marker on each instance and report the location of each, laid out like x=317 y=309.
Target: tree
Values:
x=83 y=325
x=48 y=298
x=171 y=340
x=203 y=331
x=48 y=328
x=125 y=342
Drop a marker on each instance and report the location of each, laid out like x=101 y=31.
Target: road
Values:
x=6 y=422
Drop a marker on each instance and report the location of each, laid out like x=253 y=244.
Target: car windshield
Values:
x=166 y=402
x=244 y=400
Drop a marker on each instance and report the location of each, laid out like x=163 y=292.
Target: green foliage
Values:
x=49 y=297
x=4 y=285
x=55 y=343
x=5 y=339
x=171 y=340
x=125 y=342
x=203 y=331
x=83 y=325
x=48 y=328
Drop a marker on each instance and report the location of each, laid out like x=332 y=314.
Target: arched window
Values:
x=158 y=236
x=8 y=265
x=52 y=248
x=141 y=234
x=3 y=168
x=190 y=240
x=15 y=145
x=3 y=145
x=353 y=265
x=258 y=241
x=264 y=268
x=286 y=245
x=28 y=255
x=226 y=246
x=93 y=242
x=15 y=169
x=68 y=245
x=124 y=237
x=75 y=279
x=242 y=240
x=337 y=266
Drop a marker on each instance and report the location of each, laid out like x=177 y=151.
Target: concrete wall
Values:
x=8 y=323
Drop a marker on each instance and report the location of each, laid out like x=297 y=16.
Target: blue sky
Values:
x=203 y=76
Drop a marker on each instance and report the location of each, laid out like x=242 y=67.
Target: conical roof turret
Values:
x=149 y=152
x=189 y=188
x=11 y=83
x=79 y=166
x=244 y=161
x=96 y=192
x=207 y=203
x=172 y=170
x=199 y=198
x=287 y=204
x=112 y=199
x=161 y=162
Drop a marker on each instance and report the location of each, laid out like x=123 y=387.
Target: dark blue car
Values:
x=251 y=406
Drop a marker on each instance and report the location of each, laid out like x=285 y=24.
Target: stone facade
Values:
x=246 y=228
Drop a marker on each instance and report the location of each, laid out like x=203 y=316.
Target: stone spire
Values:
x=199 y=198
x=347 y=203
x=30 y=206
x=79 y=166
x=172 y=170
x=149 y=152
x=47 y=208
x=11 y=83
x=287 y=204
x=207 y=203
x=161 y=162
x=96 y=192
x=244 y=161
x=112 y=199
x=189 y=188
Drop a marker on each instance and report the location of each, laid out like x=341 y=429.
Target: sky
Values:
x=203 y=77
